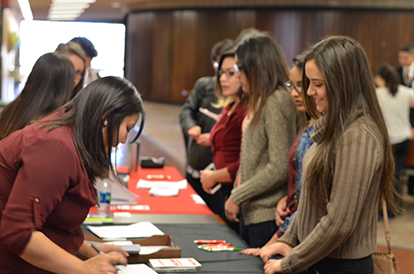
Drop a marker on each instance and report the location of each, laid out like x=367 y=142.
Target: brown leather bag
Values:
x=385 y=263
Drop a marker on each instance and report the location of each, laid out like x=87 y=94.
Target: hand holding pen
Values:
x=105 y=262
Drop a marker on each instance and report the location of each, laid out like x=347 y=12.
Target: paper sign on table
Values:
x=137 y=230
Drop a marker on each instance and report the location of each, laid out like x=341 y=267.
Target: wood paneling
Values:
x=168 y=50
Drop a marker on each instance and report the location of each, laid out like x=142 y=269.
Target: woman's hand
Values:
x=104 y=264
x=110 y=248
x=273 y=266
x=204 y=140
x=208 y=179
x=194 y=132
x=251 y=251
x=281 y=211
x=232 y=209
x=273 y=249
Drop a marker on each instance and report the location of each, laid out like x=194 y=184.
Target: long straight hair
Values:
x=350 y=93
x=48 y=87
x=109 y=99
x=265 y=66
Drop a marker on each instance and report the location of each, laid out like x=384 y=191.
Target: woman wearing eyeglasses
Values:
x=47 y=175
x=225 y=136
x=269 y=130
x=286 y=208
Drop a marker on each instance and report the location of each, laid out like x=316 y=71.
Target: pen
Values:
x=209 y=241
x=97 y=249
x=220 y=249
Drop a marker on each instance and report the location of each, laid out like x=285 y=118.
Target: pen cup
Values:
x=133 y=156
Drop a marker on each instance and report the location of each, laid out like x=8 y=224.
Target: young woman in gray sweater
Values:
x=347 y=170
x=270 y=128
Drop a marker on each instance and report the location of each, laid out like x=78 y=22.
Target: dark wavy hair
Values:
x=48 y=87
x=390 y=75
x=265 y=66
x=350 y=93
x=109 y=99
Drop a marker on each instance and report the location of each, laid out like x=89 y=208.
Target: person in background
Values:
x=48 y=172
x=77 y=56
x=406 y=76
x=346 y=172
x=90 y=52
x=196 y=125
x=269 y=130
x=48 y=87
x=225 y=136
x=286 y=207
x=395 y=102
x=406 y=69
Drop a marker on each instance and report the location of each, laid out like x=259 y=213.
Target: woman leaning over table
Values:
x=269 y=130
x=347 y=170
x=47 y=172
x=225 y=136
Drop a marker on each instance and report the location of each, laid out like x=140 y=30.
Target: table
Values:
x=186 y=221
x=182 y=204
x=212 y=262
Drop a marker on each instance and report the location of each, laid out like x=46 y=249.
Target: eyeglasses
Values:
x=238 y=69
x=290 y=87
x=228 y=73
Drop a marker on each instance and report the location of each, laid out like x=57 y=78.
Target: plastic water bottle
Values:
x=103 y=188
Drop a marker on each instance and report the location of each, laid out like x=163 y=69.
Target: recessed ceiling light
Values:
x=115 y=5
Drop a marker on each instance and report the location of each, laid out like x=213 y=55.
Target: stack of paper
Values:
x=174 y=264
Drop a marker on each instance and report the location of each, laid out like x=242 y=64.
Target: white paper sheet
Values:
x=164 y=191
x=166 y=184
x=135 y=269
x=137 y=230
x=149 y=249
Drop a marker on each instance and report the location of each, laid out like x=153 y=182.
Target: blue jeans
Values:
x=257 y=235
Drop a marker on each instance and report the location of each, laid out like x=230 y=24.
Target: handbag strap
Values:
x=386 y=225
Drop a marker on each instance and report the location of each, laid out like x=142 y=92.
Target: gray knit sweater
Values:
x=346 y=228
x=264 y=159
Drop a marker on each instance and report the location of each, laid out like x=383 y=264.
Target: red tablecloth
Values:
x=181 y=204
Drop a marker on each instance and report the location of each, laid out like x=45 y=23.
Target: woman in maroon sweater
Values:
x=225 y=136
x=47 y=173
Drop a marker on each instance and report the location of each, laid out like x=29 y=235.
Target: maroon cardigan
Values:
x=44 y=187
x=225 y=138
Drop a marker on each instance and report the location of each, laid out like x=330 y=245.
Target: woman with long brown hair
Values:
x=347 y=171
x=48 y=87
x=48 y=172
x=269 y=130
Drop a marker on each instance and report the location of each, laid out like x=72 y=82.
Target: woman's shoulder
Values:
x=363 y=128
x=405 y=89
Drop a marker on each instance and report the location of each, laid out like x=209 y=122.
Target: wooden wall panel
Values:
x=168 y=50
